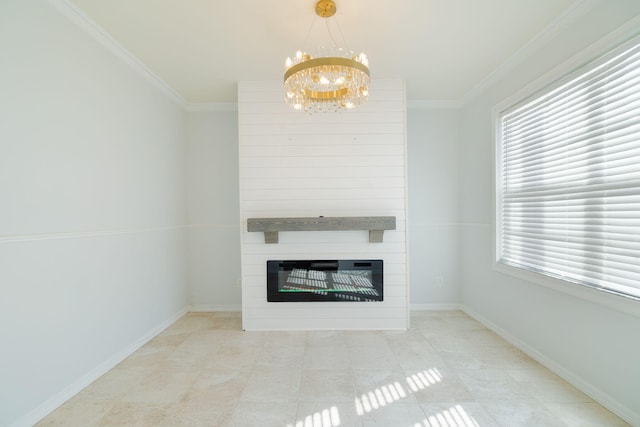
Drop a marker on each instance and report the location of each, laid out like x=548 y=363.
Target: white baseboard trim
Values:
x=75 y=387
x=435 y=307
x=208 y=308
x=586 y=387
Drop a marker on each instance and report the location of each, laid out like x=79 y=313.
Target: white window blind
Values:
x=568 y=177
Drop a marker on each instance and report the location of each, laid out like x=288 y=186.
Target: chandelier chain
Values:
x=333 y=40
x=344 y=41
x=306 y=39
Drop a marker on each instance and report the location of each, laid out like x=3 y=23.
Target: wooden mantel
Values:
x=271 y=226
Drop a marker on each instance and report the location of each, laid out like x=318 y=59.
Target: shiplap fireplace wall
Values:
x=293 y=164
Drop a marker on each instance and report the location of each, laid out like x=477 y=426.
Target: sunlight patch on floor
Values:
x=385 y=395
x=379 y=397
x=424 y=379
x=455 y=416
x=325 y=418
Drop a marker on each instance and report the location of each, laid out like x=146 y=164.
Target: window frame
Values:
x=626 y=35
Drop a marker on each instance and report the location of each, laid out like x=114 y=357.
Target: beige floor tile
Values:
x=585 y=415
x=462 y=360
x=319 y=414
x=146 y=358
x=522 y=414
x=327 y=357
x=373 y=357
x=411 y=334
x=548 y=388
x=437 y=385
x=382 y=386
x=217 y=385
x=372 y=339
x=322 y=338
x=233 y=357
x=395 y=414
x=165 y=342
x=504 y=358
x=476 y=357
x=283 y=356
x=449 y=341
x=327 y=386
x=77 y=412
x=245 y=339
x=488 y=385
x=256 y=414
x=444 y=321
x=457 y=414
x=205 y=371
x=169 y=383
x=285 y=338
x=276 y=385
x=191 y=322
x=459 y=321
x=133 y=414
x=205 y=340
x=197 y=414
x=226 y=320
x=431 y=321
x=483 y=338
x=117 y=382
x=417 y=355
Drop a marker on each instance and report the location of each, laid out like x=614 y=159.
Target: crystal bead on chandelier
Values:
x=332 y=79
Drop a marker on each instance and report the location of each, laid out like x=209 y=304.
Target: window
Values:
x=568 y=177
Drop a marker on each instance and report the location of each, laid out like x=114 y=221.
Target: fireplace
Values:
x=316 y=173
x=324 y=280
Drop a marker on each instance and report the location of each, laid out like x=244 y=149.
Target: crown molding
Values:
x=418 y=104
x=68 y=9
x=576 y=10
x=211 y=106
x=434 y=104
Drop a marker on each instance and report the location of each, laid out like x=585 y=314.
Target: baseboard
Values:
x=586 y=387
x=74 y=388
x=435 y=307
x=207 y=308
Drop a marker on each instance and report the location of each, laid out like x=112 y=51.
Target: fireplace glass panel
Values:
x=324 y=280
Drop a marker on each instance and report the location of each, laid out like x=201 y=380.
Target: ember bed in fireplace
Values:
x=324 y=280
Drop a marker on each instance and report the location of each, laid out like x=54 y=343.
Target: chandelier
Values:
x=331 y=79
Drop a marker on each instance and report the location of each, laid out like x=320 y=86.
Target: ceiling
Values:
x=442 y=48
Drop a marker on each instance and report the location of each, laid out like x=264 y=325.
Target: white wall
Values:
x=294 y=164
x=213 y=210
x=432 y=145
x=593 y=346
x=92 y=198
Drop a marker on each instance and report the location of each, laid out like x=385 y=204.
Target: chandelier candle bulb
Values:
x=332 y=80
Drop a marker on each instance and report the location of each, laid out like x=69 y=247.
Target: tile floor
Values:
x=447 y=370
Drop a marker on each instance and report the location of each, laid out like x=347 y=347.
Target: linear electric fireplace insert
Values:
x=324 y=280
